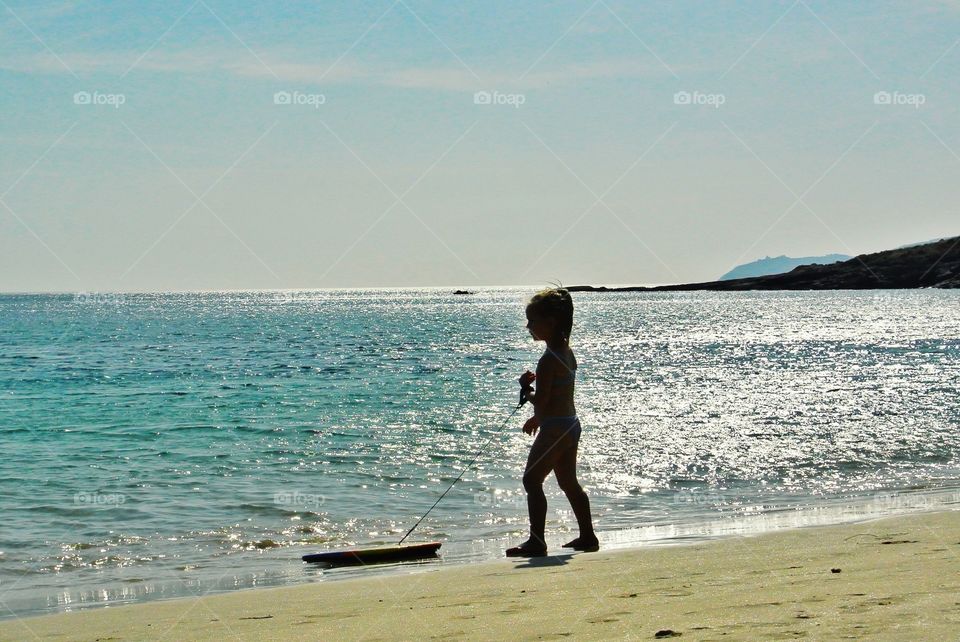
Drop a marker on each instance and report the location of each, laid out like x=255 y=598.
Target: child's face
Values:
x=540 y=327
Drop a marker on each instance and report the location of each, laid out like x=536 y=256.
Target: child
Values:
x=550 y=319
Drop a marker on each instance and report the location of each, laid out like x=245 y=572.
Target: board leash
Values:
x=523 y=400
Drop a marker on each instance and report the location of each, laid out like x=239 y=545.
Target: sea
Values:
x=172 y=445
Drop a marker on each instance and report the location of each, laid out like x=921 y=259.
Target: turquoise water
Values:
x=158 y=445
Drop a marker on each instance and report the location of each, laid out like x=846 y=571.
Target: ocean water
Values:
x=163 y=445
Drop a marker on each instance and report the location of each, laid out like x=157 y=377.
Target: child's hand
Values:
x=526 y=379
x=531 y=426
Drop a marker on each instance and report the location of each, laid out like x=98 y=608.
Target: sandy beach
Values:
x=891 y=579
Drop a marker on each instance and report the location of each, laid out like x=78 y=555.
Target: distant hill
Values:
x=779 y=265
x=901 y=247
x=931 y=265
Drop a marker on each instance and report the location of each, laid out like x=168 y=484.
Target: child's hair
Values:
x=555 y=303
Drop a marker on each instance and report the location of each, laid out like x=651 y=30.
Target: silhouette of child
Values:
x=550 y=319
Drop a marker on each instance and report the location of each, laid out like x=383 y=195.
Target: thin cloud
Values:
x=456 y=78
x=331 y=72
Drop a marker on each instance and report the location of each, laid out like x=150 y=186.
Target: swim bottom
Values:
x=556 y=427
x=556 y=445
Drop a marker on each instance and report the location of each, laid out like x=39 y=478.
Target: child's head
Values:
x=550 y=314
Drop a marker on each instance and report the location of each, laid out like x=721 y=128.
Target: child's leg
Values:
x=566 y=472
x=541 y=460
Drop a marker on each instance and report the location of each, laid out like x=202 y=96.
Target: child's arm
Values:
x=544 y=379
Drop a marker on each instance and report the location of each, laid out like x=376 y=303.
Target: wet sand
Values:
x=892 y=579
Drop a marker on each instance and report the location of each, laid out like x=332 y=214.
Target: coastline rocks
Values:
x=931 y=265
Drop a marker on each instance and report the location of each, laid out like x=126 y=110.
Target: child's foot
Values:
x=587 y=544
x=527 y=550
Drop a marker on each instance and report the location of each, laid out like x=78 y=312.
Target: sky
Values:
x=205 y=144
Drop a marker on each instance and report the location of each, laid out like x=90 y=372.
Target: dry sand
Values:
x=897 y=579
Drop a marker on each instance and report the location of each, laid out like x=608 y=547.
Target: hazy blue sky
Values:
x=382 y=169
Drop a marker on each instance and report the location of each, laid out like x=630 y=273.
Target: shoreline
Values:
x=281 y=567
x=765 y=585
